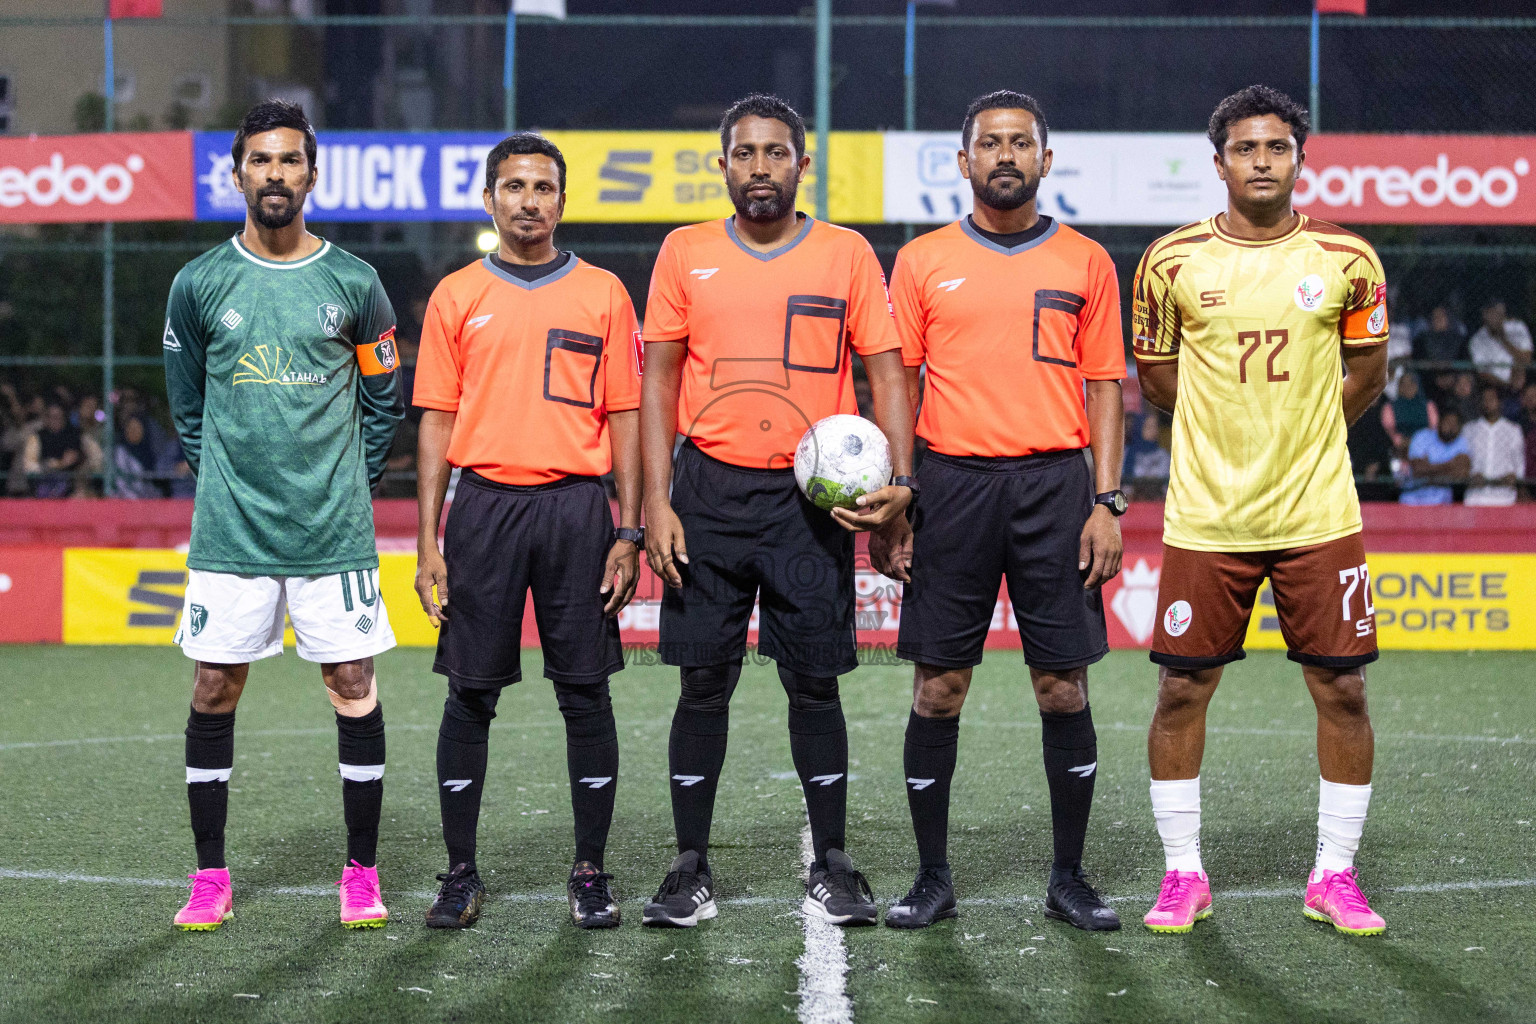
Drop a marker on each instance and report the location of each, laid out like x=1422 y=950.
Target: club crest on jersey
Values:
x=385 y=350
x=1378 y=320
x=198 y=618
x=1309 y=292
x=331 y=316
x=1177 y=618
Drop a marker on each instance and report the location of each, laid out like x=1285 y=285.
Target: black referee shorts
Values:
x=500 y=542
x=751 y=531
x=981 y=519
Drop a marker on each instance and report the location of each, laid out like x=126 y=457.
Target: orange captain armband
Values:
x=1369 y=323
x=379 y=356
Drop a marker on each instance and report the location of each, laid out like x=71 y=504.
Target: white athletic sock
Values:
x=1340 y=820
x=1176 y=806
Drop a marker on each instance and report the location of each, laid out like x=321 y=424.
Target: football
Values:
x=841 y=458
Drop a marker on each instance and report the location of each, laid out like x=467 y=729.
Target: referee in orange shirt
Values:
x=1017 y=318
x=529 y=375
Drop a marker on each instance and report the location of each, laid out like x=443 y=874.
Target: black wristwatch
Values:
x=909 y=482
x=635 y=535
x=1115 y=501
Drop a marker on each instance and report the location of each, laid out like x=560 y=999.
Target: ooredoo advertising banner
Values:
x=49 y=179
x=1419 y=179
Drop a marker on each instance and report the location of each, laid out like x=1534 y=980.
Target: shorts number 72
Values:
x=1358 y=578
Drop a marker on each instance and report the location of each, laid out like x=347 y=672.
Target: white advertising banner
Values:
x=1096 y=178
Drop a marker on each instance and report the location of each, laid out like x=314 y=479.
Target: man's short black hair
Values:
x=269 y=116
x=1256 y=101
x=521 y=144
x=1003 y=99
x=761 y=104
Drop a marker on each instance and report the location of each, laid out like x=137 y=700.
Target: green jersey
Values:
x=282 y=385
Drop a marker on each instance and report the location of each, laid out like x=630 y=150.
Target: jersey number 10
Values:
x=1256 y=340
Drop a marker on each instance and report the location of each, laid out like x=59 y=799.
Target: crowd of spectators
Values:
x=53 y=445
x=1458 y=421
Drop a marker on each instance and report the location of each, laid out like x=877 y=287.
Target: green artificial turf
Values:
x=91 y=763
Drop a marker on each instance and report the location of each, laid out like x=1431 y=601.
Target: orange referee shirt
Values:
x=768 y=334
x=531 y=367
x=1009 y=336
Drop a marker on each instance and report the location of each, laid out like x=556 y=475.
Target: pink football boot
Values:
x=1335 y=898
x=362 y=905
x=211 y=902
x=1184 y=899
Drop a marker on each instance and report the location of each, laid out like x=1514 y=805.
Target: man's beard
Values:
x=278 y=219
x=989 y=194
x=762 y=210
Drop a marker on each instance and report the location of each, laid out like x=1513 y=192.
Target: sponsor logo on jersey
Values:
x=1177 y=618
x=1378 y=320
x=706 y=273
x=1213 y=298
x=168 y=340
x=1381 y=293
x=231 y=319
x=1309 y=292
x=950 y=286
x=199 y=618
x=271 y=365
x=330 y=316
x=364 y=624
x=480 y=321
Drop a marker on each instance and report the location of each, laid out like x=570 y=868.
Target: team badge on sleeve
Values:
x=380 y=356
x=639 y=350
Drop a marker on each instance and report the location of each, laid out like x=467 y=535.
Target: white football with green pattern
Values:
x=841 y=458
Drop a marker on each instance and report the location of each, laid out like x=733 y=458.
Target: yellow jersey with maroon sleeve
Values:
x=1259 y=457
x=531 y=368
x=1008 y=336
x=768 y=334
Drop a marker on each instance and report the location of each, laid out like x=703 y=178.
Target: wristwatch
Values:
x=1115 y=501
x=635 y=535
x=908 y=482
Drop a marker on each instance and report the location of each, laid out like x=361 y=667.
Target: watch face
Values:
x=1120 y=503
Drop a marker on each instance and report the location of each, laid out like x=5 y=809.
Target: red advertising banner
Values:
x=31 y=594
x=47 y=179
x=1419 y=179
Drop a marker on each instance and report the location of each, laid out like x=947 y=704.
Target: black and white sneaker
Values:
x=592 y=902
x=458 y=901
x=686 y=896
x=839 y=894
x=1069 y=898
x=931 y=898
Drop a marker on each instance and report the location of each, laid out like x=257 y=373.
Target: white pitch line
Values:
x=823 y=966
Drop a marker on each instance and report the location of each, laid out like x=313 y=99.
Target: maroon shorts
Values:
x=1322 y=596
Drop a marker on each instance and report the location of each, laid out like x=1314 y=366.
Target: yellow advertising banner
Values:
x=673 y=177
x=1450 y=602
x=1437 y=602
x=134 y=596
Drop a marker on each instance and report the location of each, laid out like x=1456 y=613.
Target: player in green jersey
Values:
x=280 y=368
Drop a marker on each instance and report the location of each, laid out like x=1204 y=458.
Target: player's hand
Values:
x=876 y=509
x=620 y=575
x=432 y=571
x=664 y=543
x=1099 y=550
x=890 y=550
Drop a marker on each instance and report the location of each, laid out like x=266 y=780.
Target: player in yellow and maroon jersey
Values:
x=1241 y=323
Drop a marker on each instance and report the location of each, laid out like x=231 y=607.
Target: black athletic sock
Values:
x=695 y=755
x=360 y=746
x=1071 y=764
x=211 y=759
x=462 y=749
x=929 y=759
x=818 y=742
x=592 y=758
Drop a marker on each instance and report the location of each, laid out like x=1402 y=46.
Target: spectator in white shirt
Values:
x=1501 y=348
x=1497 y=447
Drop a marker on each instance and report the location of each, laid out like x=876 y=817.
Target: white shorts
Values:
x=233 y=619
